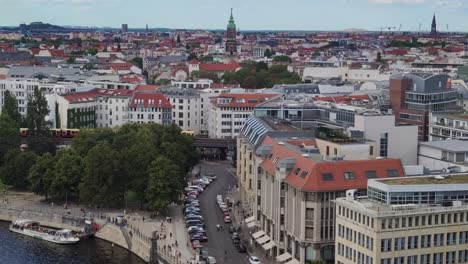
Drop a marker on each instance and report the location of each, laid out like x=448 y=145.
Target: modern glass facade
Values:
x=416 y=197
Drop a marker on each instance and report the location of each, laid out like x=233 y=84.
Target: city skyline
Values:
x=249 y=15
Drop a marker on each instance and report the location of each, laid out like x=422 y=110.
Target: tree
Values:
x=268 y=53
x=192 y=56
x=178 y=38
x=9 y=135
x=92 y=51
x=137 y=61
x=165 y=184
x=195 y=75
x=10 y=107
x=163 y=82
x=68 y=171
x=71 y=60
x=261 y=66
x=104 y=179
x=207 y=58
x=89 y=66
x=379 y=57
x=42 y=174
x=316 y=53
x=39 y=139
x=282 y=58
x=16 y=167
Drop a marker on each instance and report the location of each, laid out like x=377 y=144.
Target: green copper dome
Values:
x=231 y=24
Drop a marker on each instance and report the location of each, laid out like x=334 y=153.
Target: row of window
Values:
x=429 y=220
x=353 y=255
x=356 y=217
x=356 y=237
x=350 y=175
x=435 y=258
x=424 y=241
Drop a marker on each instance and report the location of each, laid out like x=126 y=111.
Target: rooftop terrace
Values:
x=449 y=179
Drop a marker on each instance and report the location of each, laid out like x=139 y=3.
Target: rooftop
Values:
x=454 y=145
x=449 y=179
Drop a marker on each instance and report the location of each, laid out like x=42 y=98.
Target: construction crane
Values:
x=399 y=28
x=387 y=27
x=419 y=31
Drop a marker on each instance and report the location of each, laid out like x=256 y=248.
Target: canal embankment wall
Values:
x=127 y=237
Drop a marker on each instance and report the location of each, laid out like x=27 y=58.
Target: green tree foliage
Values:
x=42 y=174
x=163 y=82
x=207 y=58
x=137 y=61
x=104 y=180
x=316 y=53
x=163 y=186
x=92 y=51
x=16 y=167
x=282 y=58
x=39 y=140
x=9 y=135
x=89 y=138
x=71 y=60
x=379 y=57
x=68 y=171
x=192 y=56
x=178 y=38
x=255 y=75
x=268 y=53
x=10 y=107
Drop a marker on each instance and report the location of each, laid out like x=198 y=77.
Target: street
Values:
x=218 y=241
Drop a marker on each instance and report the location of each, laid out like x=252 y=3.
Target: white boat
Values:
x=34 y=229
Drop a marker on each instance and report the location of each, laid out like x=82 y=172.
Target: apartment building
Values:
x=379 y=130
x=290 y=188
x=414 y=95
x=112 y=107
x=228 y=112
x=444 y=126
x=413 y=220
x=187 y=111
x=147 y=108
x=77 y=110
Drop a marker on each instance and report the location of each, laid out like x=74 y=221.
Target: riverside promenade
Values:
x=138 y=233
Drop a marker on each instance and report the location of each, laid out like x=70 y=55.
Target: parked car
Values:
x=193 y=216
x=235 y=236
x=196 y=245
x=200 y=237
x=210 y=175
x=227 y=219
x=234 y=229
x=196 y=187
x=241 y=248
x=211 y=260
x=195 y=228
x=254 y=260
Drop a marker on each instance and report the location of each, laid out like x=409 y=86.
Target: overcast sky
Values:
x=249 y=14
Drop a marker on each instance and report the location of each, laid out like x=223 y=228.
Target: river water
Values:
x=19 y=249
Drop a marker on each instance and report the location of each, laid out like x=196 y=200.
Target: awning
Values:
x=263 y=240
x=293 y=261
x=251 y=224
x=249 y=219
x=258 y=234
x=269 y=245
x=283 y=257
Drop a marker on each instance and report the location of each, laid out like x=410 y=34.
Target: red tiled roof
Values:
x=243 y=100
x=92 y=94
x=150 y=100
x=57 y=52
x=130 y=79
x=146 y=88
x=313 y=181
x=2 y=77
x=231 y=66
x=341 y=99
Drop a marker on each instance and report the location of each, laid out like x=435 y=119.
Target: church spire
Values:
x=434 y=25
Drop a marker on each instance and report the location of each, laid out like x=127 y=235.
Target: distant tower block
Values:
x=124 y=28
x=434 y=26
x=231 y=34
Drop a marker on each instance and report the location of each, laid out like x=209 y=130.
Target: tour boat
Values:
x=34 y=229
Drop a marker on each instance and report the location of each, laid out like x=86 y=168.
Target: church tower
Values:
x=434 y=26
x=231 y=33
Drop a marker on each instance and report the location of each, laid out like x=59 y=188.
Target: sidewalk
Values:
x=246 y=233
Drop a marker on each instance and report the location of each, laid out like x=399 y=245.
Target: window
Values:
x=451 y=239
x=399 y=243
x=386 y=245
x=425 y=259
x=296 y=171
x=412 y=242
x=437 y=258
x=327 y=176
x=412 y=260
x=438 y=240
x=371 y=174
x=425 y=241
x=349 y=175
x=304 y=174
x=392 y=173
